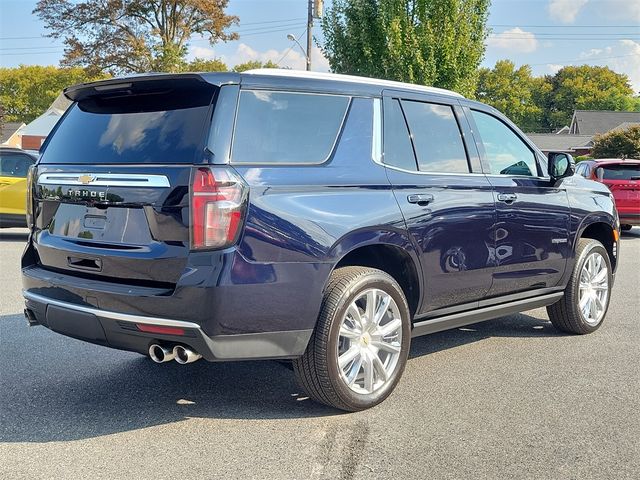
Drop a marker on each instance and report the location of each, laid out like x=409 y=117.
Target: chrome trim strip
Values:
x=105 y=179
x=127 y=317
x=376 y=137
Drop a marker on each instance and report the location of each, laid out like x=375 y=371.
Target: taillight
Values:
x=218 y=201
x=31 y=176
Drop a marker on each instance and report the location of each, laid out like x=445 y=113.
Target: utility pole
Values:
x=309 y=33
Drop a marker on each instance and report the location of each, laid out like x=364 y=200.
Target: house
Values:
x=34 y=133
x=9 y=134
x=592 y=122
x=577 y=139
x=553 y=142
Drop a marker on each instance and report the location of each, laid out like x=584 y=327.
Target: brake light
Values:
x=31 y=174
x=218 y=201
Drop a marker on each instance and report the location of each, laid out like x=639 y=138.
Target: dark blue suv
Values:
x=319 y=218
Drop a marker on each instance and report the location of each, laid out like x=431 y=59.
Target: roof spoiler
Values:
x=147 y=82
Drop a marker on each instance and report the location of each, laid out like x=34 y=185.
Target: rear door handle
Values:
x=507 y=197
x=421 y=199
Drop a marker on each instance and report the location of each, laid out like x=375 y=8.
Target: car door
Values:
x=532 y=228
x=447 y=202
x=13 y=182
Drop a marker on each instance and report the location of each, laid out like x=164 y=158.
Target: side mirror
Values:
x=561 y=165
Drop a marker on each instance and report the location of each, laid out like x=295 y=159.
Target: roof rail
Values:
x=280 y=72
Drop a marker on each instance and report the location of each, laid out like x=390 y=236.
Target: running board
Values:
x=456 y=320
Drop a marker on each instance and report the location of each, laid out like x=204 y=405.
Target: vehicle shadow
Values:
x=55 y=388
x=14 y=234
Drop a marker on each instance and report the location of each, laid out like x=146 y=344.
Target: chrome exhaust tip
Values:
x=160 y=354
x=185 y=355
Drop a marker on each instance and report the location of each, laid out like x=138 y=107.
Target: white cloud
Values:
x=553 y=68
x=566 y=11
x=201 y=52
x=287 y=58
x=623 y=57
x=514 y=40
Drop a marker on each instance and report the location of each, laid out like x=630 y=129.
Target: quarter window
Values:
x=505 y=152
x=398 y=151
x=286 y=127
x=436 y=137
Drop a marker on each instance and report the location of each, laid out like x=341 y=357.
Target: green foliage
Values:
x=124 y=36
x=580 y=158
x=515 y=92
x=253 y=64
x=586 y=88
x=203 y=65
x=27 y=91
x=618 y=144
x=439 y=43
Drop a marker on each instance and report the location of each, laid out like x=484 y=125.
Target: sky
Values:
x=546 y=34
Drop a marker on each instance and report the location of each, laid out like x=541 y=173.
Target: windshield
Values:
x=154 y=127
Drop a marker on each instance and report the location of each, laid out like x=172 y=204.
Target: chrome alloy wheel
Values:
x=593 y=288
x=369 y=341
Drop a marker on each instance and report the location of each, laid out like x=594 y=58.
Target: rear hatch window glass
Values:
x=279 y=127
x=621 y=172
x=165 y=126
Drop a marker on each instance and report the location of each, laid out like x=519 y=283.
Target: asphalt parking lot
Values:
x=509 y=398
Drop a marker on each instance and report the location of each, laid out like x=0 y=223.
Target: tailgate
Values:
x=111 y=189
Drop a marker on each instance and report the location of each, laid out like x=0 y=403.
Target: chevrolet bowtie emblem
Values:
x=85 y=179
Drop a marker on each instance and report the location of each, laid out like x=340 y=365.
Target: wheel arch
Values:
x=387 y=250
x=600 y=227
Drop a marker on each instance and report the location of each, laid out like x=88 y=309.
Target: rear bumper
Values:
x=629 y=218
x=122 y=331
x=10 y=220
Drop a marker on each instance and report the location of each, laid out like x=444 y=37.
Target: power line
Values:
x=291 y=47
x=585 y=60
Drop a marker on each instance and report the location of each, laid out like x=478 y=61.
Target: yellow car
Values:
x=14 y=165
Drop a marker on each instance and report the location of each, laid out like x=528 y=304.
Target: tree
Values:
x=27 y=91
x=586 y=88
x=617 y=143
x=253 y=64
x=515 y=92
x=123 y=36
x=427 y=42
x=203 y=65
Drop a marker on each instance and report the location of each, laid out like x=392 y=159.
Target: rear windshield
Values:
x=153 y=127
x=622 y=172
x=286 y=127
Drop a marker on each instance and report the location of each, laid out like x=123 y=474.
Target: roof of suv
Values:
x=271 y=78
x=611 y=161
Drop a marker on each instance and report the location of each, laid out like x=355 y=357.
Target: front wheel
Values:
x=586 y=298
x=359 y=348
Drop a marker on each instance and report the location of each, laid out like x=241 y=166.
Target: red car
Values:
x=623 y=179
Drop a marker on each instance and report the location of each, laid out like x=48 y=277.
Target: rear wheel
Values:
x=359 y=348
x=586 y=298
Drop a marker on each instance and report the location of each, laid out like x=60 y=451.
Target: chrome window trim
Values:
x=376 y=137
x=127 y=317
x=293 y=92
x=105 y=179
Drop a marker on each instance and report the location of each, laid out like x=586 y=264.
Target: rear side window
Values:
x=14 y=165
x=436 y=137
x=155 y=127
x=621 y=172
x=286 y=127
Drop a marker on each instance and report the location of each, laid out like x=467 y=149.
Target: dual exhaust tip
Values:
x=179 y=353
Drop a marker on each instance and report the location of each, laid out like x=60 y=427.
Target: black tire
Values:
x=626 y=227
x=317 y=371
x=565 y=314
